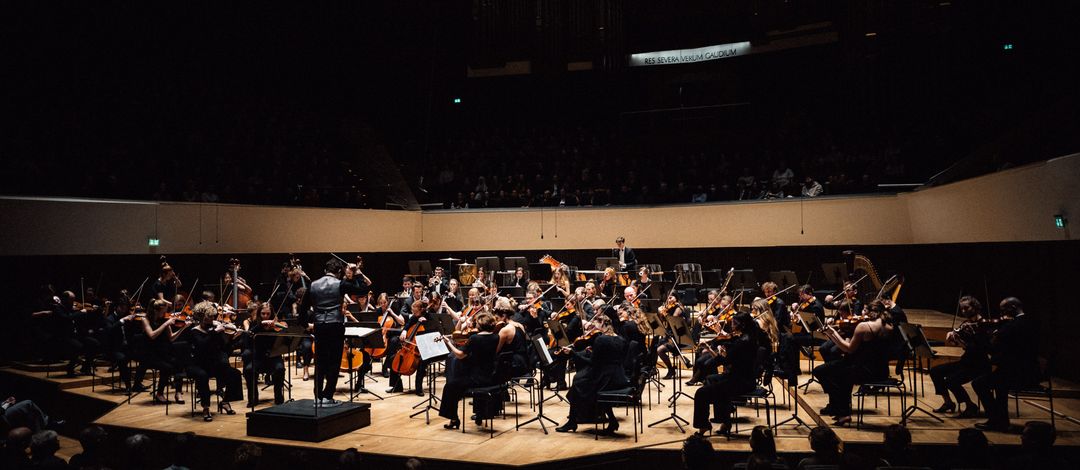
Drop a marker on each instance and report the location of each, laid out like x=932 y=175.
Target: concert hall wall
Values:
x=993 y=234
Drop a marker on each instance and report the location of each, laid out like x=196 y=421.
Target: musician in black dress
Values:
x=469 y=367
x=739 y=358
x=866 y=358
x=951 y=376
x=210 y=344
x=512 y=337
x=1015 y=352
x=600 y=367
x=167 y=283
x=323 y=300
x=154 y=335
x=846 y=305
x=257 y=359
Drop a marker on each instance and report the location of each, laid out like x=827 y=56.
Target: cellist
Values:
x=420 y=316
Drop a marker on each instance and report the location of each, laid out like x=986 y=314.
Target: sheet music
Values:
x=430 y=348
x=359 y=331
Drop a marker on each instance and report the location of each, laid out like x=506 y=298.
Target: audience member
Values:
x=1037 y=448
x=897 y=451
x=182 y=445
x=15 y=447
x=973 y=450
x=137 y=452
x=759 y=462
x=414 y=464
x=43 y=447
x=349 y=459
x=14 y=414
x=247 y=457
x=93 y=439
x=826 y=447
x=697 y=453
x=762 y=444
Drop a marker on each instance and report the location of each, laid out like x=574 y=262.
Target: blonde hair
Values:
x=760 y=309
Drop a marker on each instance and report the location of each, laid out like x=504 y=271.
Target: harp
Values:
x=890 y=289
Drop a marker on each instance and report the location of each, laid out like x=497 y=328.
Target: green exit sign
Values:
x=153 y=242
x=1059 y=221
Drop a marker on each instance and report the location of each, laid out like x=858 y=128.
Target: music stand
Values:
x=783 y=279
x=361 y=338
x=835 y=273
x=545 y=362
x=607 y=262
x=429 y=349
x=742 y=278
x=812 y=324
x=491 y=266
x=558 y=331
x=676 y=384
x=419 y=267
x=282 y=346
x=539 y=272
x=513 y=262
x=920 y=349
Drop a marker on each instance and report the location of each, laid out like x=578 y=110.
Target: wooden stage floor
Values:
x=391 y=426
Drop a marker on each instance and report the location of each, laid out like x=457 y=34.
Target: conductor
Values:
x=323 y=305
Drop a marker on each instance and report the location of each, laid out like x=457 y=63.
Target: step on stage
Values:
x=300 y=421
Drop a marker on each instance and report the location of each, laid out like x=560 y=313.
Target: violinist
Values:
x=324 y=299
x=590 y=294
x=600 y=367
x=643 y=281
x=1014 y=349
x=61 y=334
x=292 y=280
x=629 y=302
x=471 y=366
x=740 y=374
x=257 y=359
x=114 y=341
x=810 y=304
x=779 y=308
x=866 y=359
x=574 y=329
x=669 y=346
x=512 y=337
x=847 y=303
x=210 y=344
x=708 y=359
x=420 y=315
x=609 y=284
x=154 y=336
x=167 y=283
x=951 y=376
x=532 y=312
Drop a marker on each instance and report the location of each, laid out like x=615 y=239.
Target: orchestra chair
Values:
x=627 y=397
x=495 y=394
x=182 y=358
x=821 y=467
x=762 y=392
x=876 y=388
x=527 y=382
x=1038 y=390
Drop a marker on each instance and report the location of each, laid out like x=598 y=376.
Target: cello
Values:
x=407 y=359
x=386 y=323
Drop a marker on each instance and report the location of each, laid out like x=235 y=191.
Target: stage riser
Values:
x=288 y=421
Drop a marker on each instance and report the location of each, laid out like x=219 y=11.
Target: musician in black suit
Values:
x=1015 y=351
x=627 y=259
x=323 y=300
